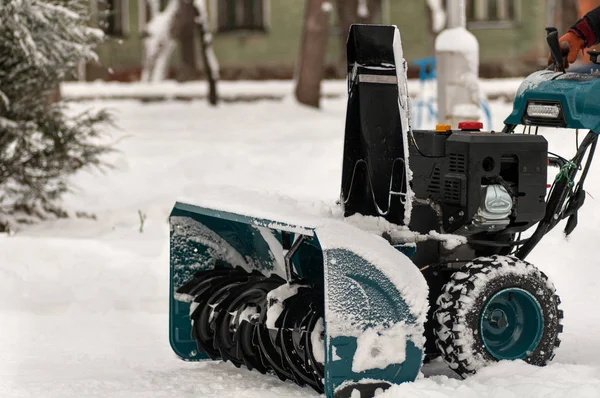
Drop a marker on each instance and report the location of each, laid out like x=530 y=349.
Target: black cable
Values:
x=590 y=140
x=419 y=150
x=558 y=156
x=497 y=244
x=588 y=163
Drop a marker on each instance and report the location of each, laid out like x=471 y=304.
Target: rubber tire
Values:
x=457 y=321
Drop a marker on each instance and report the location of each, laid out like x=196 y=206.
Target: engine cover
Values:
x=480 y=181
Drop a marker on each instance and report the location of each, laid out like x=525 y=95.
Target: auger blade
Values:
x=203 y=317
x=314 y=341
x=247 y=349
x=242 y=303
x=292 y=335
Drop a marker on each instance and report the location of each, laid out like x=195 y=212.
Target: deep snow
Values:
x=243 y=90
x=83 y=303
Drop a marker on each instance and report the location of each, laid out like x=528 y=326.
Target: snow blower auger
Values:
x=307 y=297
x=423 y=257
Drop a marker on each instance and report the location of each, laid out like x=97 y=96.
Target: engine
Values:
x=483 y=185
x=478 y=182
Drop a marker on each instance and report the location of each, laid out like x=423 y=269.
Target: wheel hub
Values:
x=498 y=318
x=511 y=324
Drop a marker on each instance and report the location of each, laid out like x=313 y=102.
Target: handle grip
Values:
x=554 y=45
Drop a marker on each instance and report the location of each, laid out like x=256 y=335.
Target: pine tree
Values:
x=41 y=145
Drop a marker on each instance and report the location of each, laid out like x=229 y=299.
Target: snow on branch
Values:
x=438 y=14
x=41 y=44
x=159 y=43
x=202 y=20
x=154 y=6
x=363 y=9
x=49 y=32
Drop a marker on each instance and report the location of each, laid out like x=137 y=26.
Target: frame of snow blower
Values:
x=319 y=299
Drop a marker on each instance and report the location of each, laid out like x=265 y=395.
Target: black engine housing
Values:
x=450 y=170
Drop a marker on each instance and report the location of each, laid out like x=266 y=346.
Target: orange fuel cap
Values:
x=442 y=128
x=470 y=126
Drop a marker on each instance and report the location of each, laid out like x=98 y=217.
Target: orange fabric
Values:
x=571 y=45
x=586 y=6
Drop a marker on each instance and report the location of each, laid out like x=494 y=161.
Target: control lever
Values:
x=555 y=50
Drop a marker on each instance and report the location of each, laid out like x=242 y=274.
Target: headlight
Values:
x=543 y=111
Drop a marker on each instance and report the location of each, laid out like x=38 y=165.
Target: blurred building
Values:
x=259 y=39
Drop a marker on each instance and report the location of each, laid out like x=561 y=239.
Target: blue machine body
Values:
x=577 y=95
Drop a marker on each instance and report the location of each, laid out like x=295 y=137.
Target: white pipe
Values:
x=457 y=67
x=457 y=14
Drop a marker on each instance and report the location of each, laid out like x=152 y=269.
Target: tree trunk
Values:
x=184 y=30
x=211 y=65
x=354 y=12
x=54 y=96
x=313 y=47
x=430 y=27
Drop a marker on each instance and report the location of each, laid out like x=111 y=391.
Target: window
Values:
x=113 y=17
x=492 y=13
x=241 y=15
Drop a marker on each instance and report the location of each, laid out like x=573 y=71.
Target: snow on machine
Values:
x=424 y=256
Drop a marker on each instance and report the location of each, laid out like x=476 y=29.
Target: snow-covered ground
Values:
x=243 y=90
x=83 y=303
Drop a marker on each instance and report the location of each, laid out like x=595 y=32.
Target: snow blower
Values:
x=424 y=256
